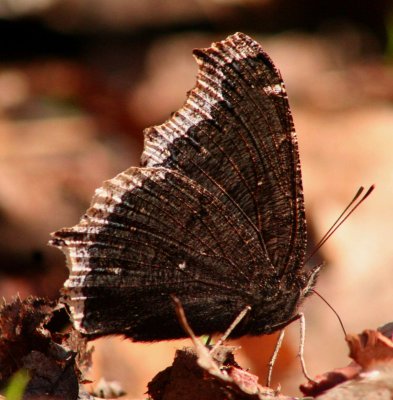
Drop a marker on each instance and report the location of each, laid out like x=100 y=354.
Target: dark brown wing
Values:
x=150 y=233
x=215 y=215
x=235 y=137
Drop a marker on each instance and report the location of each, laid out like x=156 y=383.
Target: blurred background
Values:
x=80 y=79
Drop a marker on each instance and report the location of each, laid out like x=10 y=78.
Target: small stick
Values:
x=182 y=318
x=204 y=358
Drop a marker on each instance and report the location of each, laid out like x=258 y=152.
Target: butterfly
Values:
x=214 y=215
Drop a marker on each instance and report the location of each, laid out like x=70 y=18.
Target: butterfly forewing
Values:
x=235 y=136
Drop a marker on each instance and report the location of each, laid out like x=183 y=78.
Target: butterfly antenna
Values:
x=358 y=193
x=349 y=209
x=331 y=307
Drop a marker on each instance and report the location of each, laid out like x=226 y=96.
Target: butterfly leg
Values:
x=302 y=322
x=233 y=325
x=274 y=357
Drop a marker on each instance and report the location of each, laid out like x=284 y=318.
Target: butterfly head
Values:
x=310 y=281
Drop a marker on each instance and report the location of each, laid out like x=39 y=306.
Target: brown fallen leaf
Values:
x=369 y=375
x=330 y=379
x=370 y=348
x=48 y=357
x=186 y=379
x=203 y=373
x=21 y=330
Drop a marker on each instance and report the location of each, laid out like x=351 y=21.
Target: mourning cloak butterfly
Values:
x=215 y=214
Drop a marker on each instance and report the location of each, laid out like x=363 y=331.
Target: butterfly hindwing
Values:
x=150 y=233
